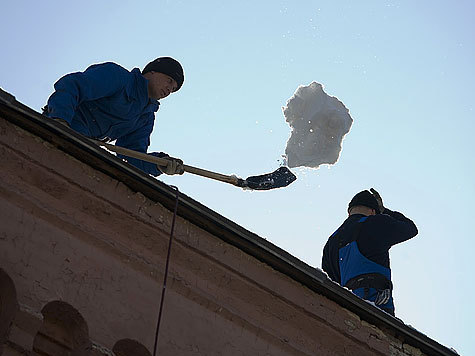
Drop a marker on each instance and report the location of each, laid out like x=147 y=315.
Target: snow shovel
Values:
x=281 y=177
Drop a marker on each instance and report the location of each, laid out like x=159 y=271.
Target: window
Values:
x=129 y=347
x=8 y=306
x=64 y=332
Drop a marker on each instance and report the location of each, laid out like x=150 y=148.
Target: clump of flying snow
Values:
x=318 y=124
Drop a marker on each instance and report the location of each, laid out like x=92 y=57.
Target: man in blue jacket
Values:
x=357 y=255
x=108 y=102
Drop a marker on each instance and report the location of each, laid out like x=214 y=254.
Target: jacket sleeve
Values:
x=97 y=81
x=392 y=228
x=328 y=262
x=139 y=140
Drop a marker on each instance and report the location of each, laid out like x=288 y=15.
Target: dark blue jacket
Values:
x=108 y=101
x=360 y=247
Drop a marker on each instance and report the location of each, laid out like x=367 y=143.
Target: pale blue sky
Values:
x=403 y=68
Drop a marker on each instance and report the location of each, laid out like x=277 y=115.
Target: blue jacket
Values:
x=360 y=248
x=108 y=101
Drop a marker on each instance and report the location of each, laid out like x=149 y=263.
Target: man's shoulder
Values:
x=379 y=219
x=377 y=224
x=109 y=65
x=110 y=69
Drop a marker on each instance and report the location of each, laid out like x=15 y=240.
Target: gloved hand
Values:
x=61 y=121
x=378 y=199
x=383 y=296
x=174 y=166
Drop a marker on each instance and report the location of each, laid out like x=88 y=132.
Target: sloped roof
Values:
x=83 y=149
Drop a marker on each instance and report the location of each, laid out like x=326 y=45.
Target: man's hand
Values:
x=174 y=166
x=378 y=199
x=383 y=296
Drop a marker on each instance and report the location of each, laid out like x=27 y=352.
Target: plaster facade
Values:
x=81 y=271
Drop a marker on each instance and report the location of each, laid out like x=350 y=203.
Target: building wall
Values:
x=81 y=271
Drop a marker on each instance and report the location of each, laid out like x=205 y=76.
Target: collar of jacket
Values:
x=142 y=91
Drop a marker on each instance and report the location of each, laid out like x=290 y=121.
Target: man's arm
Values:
x=139 y=140
x=97 y=81
x=393 y=227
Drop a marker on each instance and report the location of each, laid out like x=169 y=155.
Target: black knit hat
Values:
x=168 y=66
x=365 y=198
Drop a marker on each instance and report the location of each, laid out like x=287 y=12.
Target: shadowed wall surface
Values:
x=86 y=256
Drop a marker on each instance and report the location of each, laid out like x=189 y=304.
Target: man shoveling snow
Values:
x=108 y=102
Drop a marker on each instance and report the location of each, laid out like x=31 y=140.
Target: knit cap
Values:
x=168 y=66
x=365 y=198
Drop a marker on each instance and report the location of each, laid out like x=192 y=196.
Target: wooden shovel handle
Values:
x=163 y=162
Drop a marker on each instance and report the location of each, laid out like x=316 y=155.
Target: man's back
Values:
x=374 y=237
x=105 y=100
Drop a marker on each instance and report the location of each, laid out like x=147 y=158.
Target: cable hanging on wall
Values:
x=166 y=271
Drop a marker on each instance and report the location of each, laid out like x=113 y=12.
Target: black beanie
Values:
x=365 y=198
x=168 y=66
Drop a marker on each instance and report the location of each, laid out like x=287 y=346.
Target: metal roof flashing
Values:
x=83 y=149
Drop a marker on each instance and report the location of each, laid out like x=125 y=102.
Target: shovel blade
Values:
x=282 y=177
